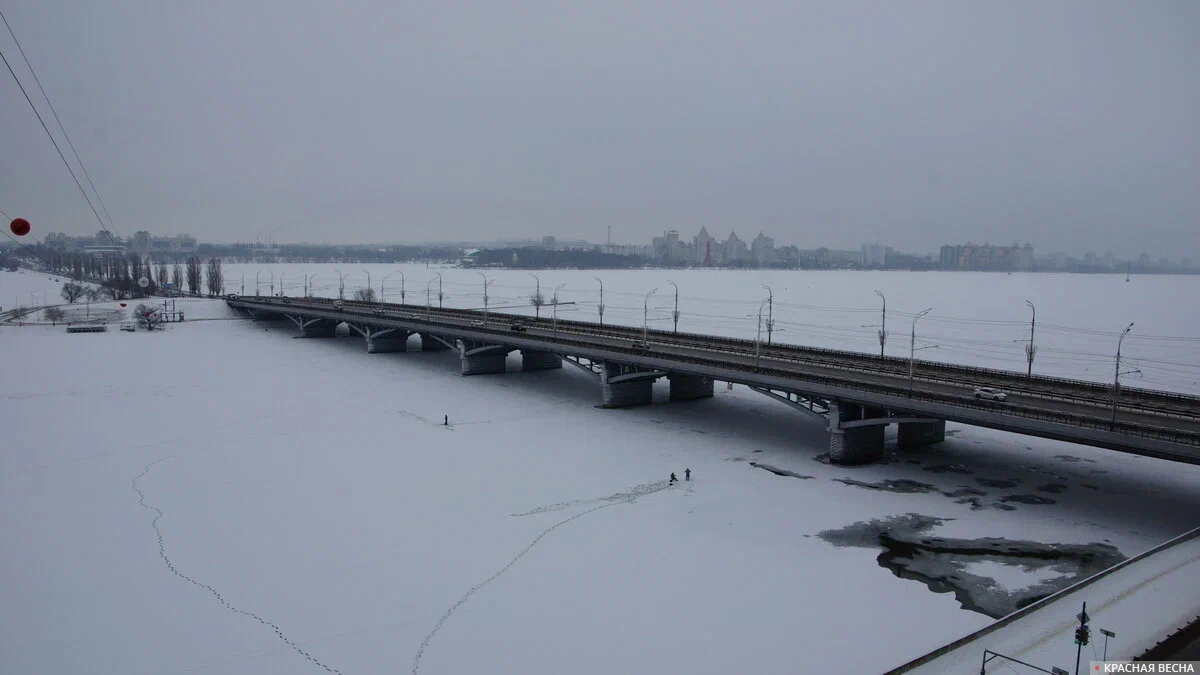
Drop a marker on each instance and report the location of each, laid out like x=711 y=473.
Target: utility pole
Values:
x=368 y=285
x=1117 y=376
x=601 y=294
x=402 y=288
x=912 y=348
x=770 y=311
x=676 y=313
x=439 y=278
x=341 y=285
x=243 y=283
x=281 y=291
x=882 y=325
x=312 y=283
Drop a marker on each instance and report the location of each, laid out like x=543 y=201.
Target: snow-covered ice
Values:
x=313 y=486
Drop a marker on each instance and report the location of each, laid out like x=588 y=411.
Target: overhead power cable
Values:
x=59 y=150
x=56 y=119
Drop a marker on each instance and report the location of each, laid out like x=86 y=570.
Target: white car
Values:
x=990 y=393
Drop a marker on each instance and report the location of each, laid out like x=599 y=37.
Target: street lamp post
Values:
x=1117 y=375
x=439 y=278
x=341 y=285
x=537 y=296
x=912 y=348
x=675 y=314
x=770 y=311
x=368 y=295
x=281 y=291
x=382 y=297
x=601 y=299
x=311 y=283
x=646 y=319
x=256 y=281
x=427 y=302
x=486 y=283
x=401 y=287
x=882 y=325
x=758 y=334
x=1031 y=349
x=243 y=283
x=554 y=330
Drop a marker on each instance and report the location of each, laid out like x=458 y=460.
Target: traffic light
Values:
x=1081 y=635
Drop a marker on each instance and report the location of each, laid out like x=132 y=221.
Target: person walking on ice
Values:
x=687 y=474
x=673 y=479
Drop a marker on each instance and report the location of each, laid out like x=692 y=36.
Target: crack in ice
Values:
x=162 y=552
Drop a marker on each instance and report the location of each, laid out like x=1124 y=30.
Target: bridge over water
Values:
x=856 y=394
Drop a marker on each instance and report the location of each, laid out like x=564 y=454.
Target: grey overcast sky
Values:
x=1071 y=125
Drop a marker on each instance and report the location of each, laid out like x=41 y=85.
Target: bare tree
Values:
x=164 y=276
x=216 y=278
x=72 y=291
x=177 y=277
x=55 y=314
x=147 y=316
x=193 y=275
x=365 y=295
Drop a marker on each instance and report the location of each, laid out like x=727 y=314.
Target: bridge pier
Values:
x=482 y=359
x=431 y=344
x=916 y=434
x=851 y=444
x=316 y=328
x=626 y=386
x=532 y=359
x=384 y=341
x=257 y=315
x=689 y=387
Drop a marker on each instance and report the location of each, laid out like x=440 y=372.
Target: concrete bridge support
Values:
x=850 y=440
x=532 y=359
x=431 y=344
x=482 y=359
x=316 y=328
x=916 y=434
x=265 y=316
x=688 y=387
x=387 y=340
x=626 y=386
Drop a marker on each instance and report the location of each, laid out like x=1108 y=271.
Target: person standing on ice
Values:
x=446 y=422
x=687 y=474
x=673 y=479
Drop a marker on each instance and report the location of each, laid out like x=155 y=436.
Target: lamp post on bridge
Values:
x=401 y=286
x=311 y=279
x=341 y=285
x=758 y=334
x=601 y=299
x=537 y=296
x=369 y=291
x=1117 y=376
x=256 y=282
x=646 y=319
x=281 y=291
x=428 y=304
x=382 y=297
x=486 y=283
x=912 y=348
x=675 y=314
x=439 y=278
x=554 y=330
x=1031 y=348
x=770 y=311
x=882 y=324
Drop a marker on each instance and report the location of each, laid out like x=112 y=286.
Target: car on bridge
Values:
x=476 y=323
x=378 y=310
x=991 y=393
x=518 y=327
x=337 y=304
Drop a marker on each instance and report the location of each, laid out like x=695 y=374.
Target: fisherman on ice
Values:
x=687 y=474
x=673 y=479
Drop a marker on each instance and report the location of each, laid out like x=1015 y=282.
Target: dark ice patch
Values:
x=997 y=482
x=902 y=485
x=1028 y=499
x=941 y=563
x=779 y=472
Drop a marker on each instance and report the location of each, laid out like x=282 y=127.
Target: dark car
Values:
x=520 y=328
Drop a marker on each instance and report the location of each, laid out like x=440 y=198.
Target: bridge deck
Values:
x=1166 y=427
x=1142 y=600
